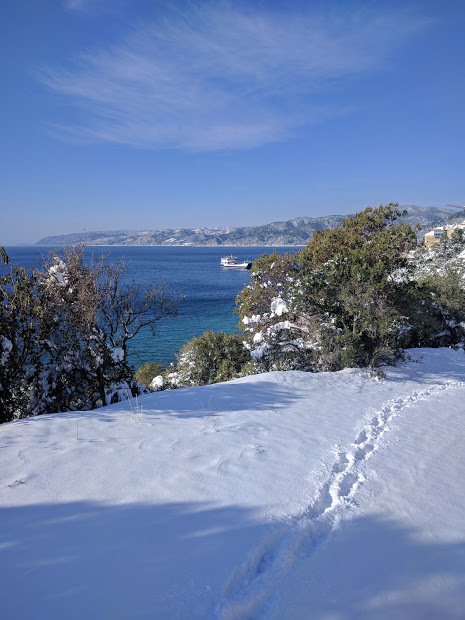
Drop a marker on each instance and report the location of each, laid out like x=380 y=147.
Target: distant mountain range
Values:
x=296 y=232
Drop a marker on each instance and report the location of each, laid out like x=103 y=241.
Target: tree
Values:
x=93 y=313
x=64 y=332
x=334 y=304
x=274 y=330
x=365 y=269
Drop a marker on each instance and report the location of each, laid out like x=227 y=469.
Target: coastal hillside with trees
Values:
x=357 y=296
x=297 y=231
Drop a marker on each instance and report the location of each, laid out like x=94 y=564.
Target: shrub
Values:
x=148 y=371
x=436 y=311
x=211 y=358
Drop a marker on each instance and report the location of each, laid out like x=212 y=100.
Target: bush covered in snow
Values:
x=64 y=333
x=147 y=372
x=350 y=298
x=211 y=358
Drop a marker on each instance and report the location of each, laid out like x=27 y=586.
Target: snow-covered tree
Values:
x=64 y=334
x=278 y=337
x=92 y=314
x=345 y=300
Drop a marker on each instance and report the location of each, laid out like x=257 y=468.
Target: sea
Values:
x=209 y=290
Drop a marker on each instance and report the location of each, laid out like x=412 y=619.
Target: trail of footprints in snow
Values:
x=250 y=588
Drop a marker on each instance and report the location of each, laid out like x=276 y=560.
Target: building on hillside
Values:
x=433 y=236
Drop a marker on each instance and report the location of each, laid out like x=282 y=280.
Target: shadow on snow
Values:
x=173 y=560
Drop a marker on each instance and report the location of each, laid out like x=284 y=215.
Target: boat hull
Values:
x=238 y=266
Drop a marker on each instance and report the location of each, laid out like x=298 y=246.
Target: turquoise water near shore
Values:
x=195 y=272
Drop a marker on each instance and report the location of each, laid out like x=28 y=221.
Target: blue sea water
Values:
x=195 y=272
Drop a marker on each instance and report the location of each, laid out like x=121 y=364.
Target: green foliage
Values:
x=458 y=238
x=344 y=300
x=272 y=276
x=436 y=305
x=353 y=275
x=211 y=358
x=147 y=372
x=369 y=246
x=436 y=308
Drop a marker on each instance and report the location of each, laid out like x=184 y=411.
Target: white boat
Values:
x=232 y=262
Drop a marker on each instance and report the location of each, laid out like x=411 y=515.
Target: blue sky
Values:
x=142 y=114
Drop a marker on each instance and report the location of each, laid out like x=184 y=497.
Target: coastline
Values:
x=165 y=245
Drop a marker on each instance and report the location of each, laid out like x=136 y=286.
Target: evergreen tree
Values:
x=335 y=303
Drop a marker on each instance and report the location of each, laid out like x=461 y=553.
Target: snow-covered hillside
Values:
x=331 y=495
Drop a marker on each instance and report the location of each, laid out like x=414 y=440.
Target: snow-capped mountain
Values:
x=297 y=232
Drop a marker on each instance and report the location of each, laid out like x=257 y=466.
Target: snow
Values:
x=255 y=318
x=157 y=382
x=117 y=354
x=259 y=352
x=287 y=494
x=278 y=306
x=58 y=272
x=7 y=347
x=277 y=327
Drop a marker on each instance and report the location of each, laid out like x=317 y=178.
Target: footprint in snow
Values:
x=16 y=483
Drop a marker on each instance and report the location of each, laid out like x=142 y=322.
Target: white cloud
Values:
x=93 y=7
x=216 y=77
x=75 y=5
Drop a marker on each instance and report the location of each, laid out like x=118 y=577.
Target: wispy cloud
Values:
x=216 y=77
x=76 y=5
x=91 y=6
